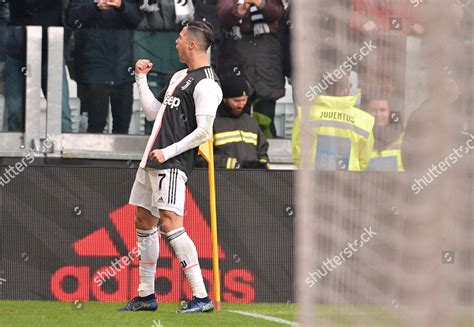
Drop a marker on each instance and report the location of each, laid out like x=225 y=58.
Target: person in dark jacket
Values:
x=4 y=12
x=250 y=42
x=4 y=17
x=103 y=59
x=155 y=38
x=206 y=11
x=434 y=129
x=284 y=31
x=44 y=13
x=238 y=140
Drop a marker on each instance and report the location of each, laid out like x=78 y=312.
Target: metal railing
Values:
x=45 y=121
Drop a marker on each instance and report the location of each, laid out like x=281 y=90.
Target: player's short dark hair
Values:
x=202 y=32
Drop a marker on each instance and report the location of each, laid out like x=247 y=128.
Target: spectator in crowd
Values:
x=388 y=135
x=251 y=43
x=434 y=129
x=4 y=12
x=155 y=38
x=4 y=18
x=284 y=30
x=104 y=59
x=342 y=134
x=206 y=11
x=449 y=24
x=44 y=13
x=372 y=17
x=386 y=23
x=238 y=140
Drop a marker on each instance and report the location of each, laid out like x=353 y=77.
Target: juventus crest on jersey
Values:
x=183 y=99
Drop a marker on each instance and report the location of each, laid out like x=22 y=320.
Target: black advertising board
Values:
x=68 y=234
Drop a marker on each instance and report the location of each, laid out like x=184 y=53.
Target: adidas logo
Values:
x=116 y=243
x=161 y=199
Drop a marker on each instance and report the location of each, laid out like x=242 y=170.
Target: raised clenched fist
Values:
x=143 y=66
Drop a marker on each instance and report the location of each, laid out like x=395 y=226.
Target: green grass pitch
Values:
x=50 y=313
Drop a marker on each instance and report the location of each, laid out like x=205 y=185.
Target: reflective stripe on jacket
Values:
x=238 y=141
x=389 y=159
x=342 y=136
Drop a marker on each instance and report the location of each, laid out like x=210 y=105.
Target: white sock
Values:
x=186 y=252
x=149 y=246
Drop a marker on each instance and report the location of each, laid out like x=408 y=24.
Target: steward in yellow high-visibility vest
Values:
x=388 y=134
x=389 y=159
x=342 y=136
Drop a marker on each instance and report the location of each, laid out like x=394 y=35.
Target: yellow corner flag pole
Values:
x=206 y=151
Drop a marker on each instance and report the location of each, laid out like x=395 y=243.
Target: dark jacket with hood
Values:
x=103 y=41
x=43 y=13
x=4 y=13
x=258 y=57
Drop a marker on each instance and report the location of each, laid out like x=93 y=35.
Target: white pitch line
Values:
x=264 y=317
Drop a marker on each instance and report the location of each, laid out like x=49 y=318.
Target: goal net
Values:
x=384 y=247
